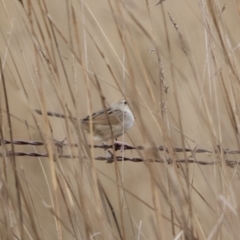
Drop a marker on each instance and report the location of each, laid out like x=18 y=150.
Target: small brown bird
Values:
x=118 y=115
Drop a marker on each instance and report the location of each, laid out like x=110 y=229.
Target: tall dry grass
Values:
x=176 y=62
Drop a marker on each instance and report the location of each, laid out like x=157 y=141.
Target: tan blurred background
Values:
x=193 y=90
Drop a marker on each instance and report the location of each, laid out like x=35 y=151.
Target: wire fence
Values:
x=122 y=147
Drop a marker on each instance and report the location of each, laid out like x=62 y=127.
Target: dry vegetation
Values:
x=176 y=62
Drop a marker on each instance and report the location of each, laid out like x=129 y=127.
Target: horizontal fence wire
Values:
x=122 y=146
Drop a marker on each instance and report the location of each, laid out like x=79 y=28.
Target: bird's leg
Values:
x=109 y=156
x=59 y=145
x=120 y=145
x=107 y=152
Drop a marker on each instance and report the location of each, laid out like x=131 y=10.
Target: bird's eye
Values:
x=125 y=102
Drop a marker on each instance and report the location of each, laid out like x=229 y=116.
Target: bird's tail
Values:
x=59 y=115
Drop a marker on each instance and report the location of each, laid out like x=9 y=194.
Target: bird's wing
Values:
x=103 y=118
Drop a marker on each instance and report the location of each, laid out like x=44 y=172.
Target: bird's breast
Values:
x=128 y=120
